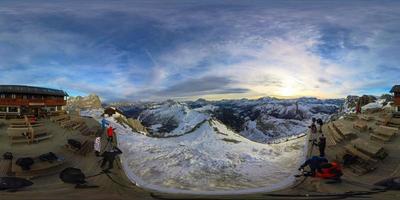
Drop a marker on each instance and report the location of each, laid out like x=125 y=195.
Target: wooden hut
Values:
x=19 y=100
x=396 y=97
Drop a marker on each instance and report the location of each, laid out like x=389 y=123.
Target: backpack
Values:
x=25 y=163
x=72 y=175
x=75 y=143
x=50 y=157
x=8 y=156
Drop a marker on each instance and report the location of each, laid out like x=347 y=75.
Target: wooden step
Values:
x=382 y=138
x=355 y=152
x=334 y=134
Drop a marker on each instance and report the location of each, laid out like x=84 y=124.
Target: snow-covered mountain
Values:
x=260 y=120
x=366 y=102
x=266 y=119
x=171 y=118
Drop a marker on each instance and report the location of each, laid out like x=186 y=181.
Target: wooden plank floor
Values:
x=51 y=187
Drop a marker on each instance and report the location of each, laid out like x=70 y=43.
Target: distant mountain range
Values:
x=259 y=120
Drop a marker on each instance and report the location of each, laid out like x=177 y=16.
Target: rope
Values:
x=116 y=182
x=102 y=172
x=342 y=195
x=305 y=177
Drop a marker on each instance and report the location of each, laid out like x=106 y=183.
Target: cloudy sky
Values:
x=146 y=50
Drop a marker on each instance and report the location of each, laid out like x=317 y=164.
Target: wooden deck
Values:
x=51 y=187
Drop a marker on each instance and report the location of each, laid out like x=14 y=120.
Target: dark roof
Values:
x=395 y=88
x=23 y=89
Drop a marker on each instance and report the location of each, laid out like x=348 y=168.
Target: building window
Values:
x=25 y=97
x=3 y=109
x=13 y=96
x=52 y=109
x=2 y=96
x=13 y=109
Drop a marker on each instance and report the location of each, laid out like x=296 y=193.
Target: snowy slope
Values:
x=171 y=119
x=210 y=159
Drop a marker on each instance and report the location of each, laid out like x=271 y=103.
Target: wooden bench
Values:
x=344 y=132
x=39 y=168
x=366 y=117
x=335 y=135
x=370 y=148
x=360 y=125
x=59 y=118
x=350 y=116
x=71 y=123
x=86 y=147
x=355 y=152
x=384 y=133
x=329 y=140
x=394 y=122
x=78 y=125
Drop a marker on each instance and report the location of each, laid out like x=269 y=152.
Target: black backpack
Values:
x=50 y=157
x=8 y=156
x=72 y=175
x=25 y=163
x=75 y=143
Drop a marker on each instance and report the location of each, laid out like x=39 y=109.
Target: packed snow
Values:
x=210 y=159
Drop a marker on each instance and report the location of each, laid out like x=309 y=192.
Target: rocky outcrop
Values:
x=366 y=99
x=137 y=126
x=91 y=101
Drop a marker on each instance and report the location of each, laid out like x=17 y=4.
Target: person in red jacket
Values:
x=110 y=133
x=331 y=170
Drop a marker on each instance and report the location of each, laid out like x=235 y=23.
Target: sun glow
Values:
x=287 y=91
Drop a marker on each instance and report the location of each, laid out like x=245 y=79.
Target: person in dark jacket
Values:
x=320 y=123
x=109 y=156
x=314 y=163
x=321 y=145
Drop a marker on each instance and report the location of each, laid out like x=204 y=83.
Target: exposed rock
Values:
x=88 y=102
x=136 y=125
x=366 y=99
x=387 y=98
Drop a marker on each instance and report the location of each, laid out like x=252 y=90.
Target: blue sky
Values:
x=147 y=50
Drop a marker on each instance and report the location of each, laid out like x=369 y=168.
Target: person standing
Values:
x=321 y=145
x=320 y=123
x=103 y=123
x=97 y=145
x=313 y=130
x=110 y=133
x=109 y=156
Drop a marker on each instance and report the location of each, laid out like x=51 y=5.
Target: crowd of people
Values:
x=319 y=166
